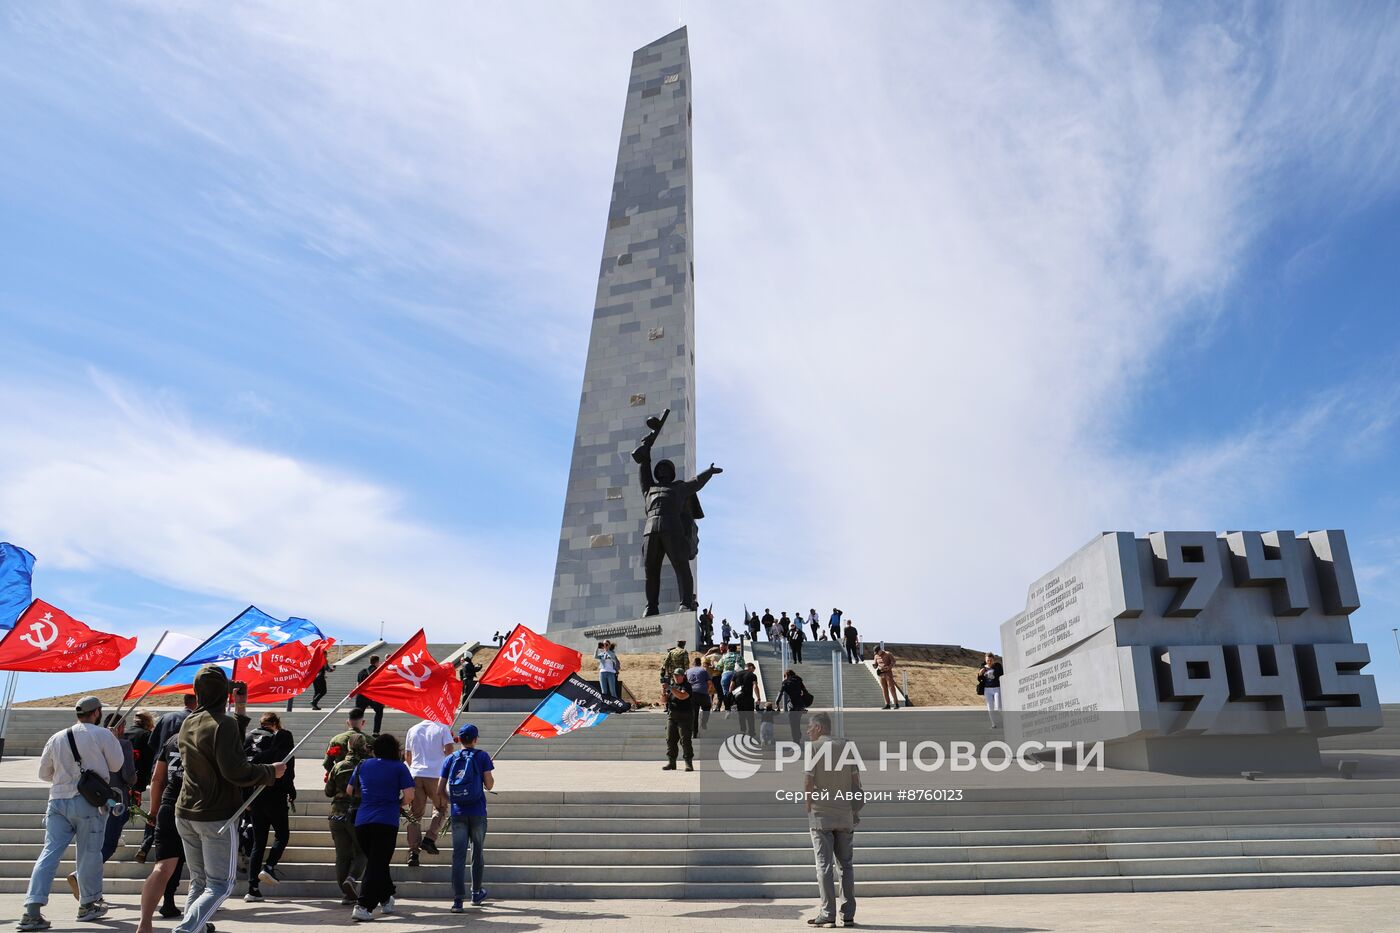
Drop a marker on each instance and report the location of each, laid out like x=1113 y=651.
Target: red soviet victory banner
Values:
x=284 y=671
x=411 y=680
x=51 y=641
x=530 y=660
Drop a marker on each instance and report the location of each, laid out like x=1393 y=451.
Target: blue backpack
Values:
x=465 y=786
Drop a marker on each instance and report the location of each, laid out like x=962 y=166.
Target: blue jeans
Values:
x=64 y=822
x=112 y=833
x=607 y=682
x=212 y=857
x=467 y=831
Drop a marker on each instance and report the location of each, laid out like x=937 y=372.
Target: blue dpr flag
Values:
x=251 y=632
x=16 y=570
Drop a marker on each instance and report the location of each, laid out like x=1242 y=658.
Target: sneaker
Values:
x=73 y=883
x=253 y=896
x=170 y=911
x=360 y=915
x=269 y=875
x=348 y=901
x=478 y=896
x=430 y=845
x=413 y=860
x=349 y=890
x=456 y=907
x=33 y=922
x=387 y=907
x=820 y=922
x=94 y=911
x=141 y=855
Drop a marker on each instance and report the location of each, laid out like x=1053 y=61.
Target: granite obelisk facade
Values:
x=641 y=360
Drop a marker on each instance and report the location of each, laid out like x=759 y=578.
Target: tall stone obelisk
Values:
x=641 y=359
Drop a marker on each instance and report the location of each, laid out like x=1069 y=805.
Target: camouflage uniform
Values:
x=339 y=748
x=676 y=657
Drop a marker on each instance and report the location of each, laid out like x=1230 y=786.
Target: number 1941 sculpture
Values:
x=673 y=507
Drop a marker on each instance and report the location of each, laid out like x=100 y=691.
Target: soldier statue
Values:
x=672 y=510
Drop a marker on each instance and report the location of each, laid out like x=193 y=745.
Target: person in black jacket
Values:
x=989 y=685
x=266 y=745
x=798 y=699
x=376 y=706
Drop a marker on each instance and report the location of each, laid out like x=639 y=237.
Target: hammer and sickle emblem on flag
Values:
x=36 y=637
x=406 y=671
x=515 y=649
x=255 y=663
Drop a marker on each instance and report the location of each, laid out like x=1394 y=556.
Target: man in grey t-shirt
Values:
x=832 y=818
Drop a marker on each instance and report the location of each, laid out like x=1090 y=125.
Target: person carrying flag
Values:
x=216 y=771
x=466 y=777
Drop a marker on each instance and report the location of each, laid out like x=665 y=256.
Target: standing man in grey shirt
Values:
x=832 y=818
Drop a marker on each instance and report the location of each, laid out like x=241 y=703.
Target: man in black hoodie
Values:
x=216 y=771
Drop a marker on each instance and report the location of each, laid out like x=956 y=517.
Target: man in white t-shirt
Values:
x=70 y=817
x=426 y=747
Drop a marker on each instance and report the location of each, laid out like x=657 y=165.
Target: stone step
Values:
x=748 y=889
x=311 y=856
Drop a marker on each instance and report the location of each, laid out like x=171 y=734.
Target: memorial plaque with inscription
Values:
x=1192 y=651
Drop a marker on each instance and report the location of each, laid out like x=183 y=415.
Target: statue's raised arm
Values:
x=671 y=510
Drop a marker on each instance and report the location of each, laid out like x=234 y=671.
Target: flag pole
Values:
x=142 y=669
x=516 y=730
x=10 y=685
x=482 y=676
x=258 y=790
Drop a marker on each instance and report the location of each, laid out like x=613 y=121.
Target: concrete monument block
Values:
x=1192 y=650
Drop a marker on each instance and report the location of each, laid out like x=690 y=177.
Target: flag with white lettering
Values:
x=283 y=672
x=530 y=660
x=575 y=704
x=51 y=641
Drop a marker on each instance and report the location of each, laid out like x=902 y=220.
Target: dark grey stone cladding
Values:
x=641 y=351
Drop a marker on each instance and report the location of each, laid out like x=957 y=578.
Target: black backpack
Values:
x=257 y=746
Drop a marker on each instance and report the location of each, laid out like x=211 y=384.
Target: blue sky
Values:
x=297 y=297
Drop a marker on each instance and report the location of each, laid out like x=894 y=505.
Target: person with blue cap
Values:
x=466 y=777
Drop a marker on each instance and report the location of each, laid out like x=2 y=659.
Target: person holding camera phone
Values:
x=216 y=771
x=676 y=696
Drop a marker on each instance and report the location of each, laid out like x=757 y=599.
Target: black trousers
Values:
x=269 y=814
x=796 y=646
x=378 y=715
x=851 y=655
x=318 y=689
x=660 y=546
x=467 y=687
x=378 y=841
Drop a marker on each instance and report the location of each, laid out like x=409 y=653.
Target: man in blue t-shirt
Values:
x=468 y=772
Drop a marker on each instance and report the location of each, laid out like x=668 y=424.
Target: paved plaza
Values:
x=1355 y=910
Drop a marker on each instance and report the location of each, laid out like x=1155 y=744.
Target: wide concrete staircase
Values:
x=1016 y=835
x=860 y=688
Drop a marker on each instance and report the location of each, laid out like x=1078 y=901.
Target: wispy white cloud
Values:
x=941 y=251
x=111 y=480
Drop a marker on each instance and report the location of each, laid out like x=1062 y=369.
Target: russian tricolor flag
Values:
x=169 y=652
